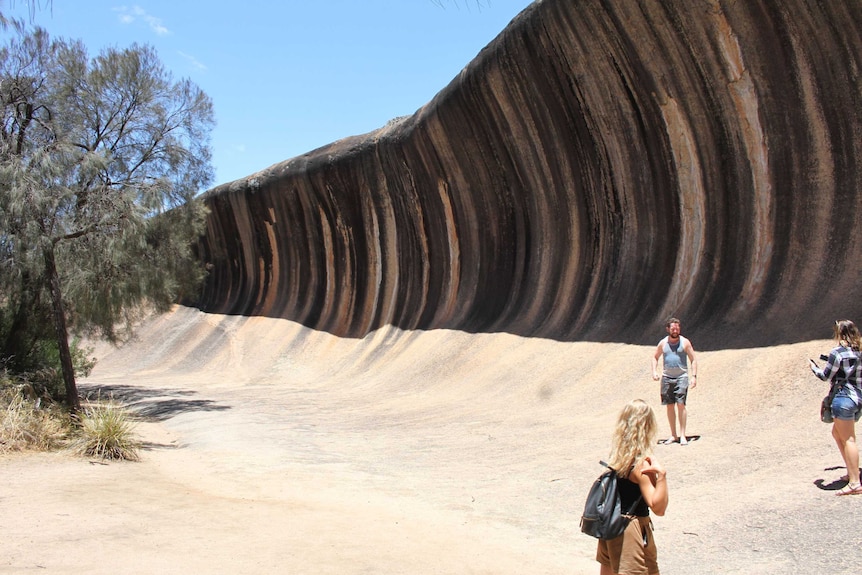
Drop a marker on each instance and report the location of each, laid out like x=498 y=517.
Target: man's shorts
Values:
x=633 y=552
x=674 y=390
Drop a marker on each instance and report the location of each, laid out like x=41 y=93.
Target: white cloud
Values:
x=193 y=61
x=131 y=15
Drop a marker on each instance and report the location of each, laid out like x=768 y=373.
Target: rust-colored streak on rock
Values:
x=600 y=165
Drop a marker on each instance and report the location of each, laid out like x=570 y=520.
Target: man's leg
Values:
x=671 y=419
x=683 y=419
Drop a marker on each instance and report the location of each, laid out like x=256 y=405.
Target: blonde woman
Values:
x=844 y=370
x=634 y=552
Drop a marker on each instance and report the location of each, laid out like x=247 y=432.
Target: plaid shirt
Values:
x=844 y=368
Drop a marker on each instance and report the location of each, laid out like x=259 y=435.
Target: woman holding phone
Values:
x=844 y=370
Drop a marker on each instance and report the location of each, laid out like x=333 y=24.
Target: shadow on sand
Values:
x=833 y=485
x=688 y=438
x=154 y=404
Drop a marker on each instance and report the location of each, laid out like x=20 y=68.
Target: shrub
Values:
x=25 y=425
x=106 y=431
x=40 y=369
x=30 y=422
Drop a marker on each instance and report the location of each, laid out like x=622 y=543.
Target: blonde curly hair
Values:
x=633 y=437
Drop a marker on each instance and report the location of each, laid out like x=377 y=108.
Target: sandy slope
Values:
x=275 y=449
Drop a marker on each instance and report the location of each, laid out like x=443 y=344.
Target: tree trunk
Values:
x=72 y=399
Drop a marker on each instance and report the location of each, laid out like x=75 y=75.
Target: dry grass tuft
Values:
x=106 y=431
x=26 y=425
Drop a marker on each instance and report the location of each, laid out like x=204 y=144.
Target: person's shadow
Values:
x=833 y=485
x=688 y=438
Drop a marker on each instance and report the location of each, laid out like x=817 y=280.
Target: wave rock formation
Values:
x=602 y=164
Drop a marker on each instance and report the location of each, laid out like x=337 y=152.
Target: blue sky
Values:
x=289 y=76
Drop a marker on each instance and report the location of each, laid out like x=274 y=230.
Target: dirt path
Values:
x=273 y=449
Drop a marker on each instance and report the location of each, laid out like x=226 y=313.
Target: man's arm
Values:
x=692 y=358
x=655 y=374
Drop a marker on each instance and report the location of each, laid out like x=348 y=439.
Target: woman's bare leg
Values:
x=844 y=432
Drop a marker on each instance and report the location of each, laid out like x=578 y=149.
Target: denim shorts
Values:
x=843 y=407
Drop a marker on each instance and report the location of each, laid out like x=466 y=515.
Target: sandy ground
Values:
x=270 y=448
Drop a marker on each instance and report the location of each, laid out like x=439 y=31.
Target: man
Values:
x=676 y=352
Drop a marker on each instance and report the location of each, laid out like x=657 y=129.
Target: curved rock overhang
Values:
x=599 y=166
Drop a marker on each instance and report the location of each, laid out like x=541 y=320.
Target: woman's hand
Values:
x=653 y=469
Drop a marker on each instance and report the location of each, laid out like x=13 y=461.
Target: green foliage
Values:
x=107 y=432
x=40 y=371
x=101 y=161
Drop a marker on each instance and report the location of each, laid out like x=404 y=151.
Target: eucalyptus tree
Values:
x=101 y=160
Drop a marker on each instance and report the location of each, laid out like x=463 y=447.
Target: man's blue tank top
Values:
x=675 y=359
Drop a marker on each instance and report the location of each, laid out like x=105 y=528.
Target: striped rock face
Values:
x=598 y=167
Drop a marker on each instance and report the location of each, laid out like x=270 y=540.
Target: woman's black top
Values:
x=629 y=492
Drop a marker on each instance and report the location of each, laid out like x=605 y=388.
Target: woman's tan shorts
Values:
x=633 y=552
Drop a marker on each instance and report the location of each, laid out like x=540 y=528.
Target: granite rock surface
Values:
x=602 y=164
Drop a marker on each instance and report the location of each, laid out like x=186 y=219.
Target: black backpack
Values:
x=603 y=517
